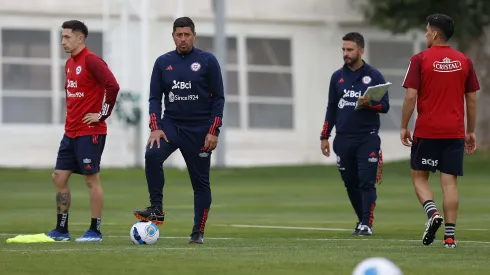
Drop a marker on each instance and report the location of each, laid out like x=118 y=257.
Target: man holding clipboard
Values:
x=355 y=116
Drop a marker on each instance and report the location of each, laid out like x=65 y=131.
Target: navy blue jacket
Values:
x=346 y=86
x=193 y=89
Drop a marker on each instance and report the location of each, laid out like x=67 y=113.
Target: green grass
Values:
x=305 y=197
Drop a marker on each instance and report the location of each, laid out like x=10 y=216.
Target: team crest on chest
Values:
x=79 y=70
x=195 y=66
x=366 y=80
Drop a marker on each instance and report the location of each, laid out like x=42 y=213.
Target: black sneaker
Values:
x=196 y=238
x=150 y=214
x=433 y=225
x=357 y=228
x=365 y=231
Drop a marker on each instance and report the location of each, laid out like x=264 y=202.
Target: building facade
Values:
x=281 y=54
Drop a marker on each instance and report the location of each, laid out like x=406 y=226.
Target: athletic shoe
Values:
x=58 y=236
x=150 y=214
x=432 y=226
x=90 y=236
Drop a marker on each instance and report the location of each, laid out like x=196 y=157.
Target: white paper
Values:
x=376 y=93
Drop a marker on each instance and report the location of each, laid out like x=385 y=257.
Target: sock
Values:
x=62 y=223
x=430 y=208
x=202 y=204
x=368 y=204
x=154 y=175
x=449 y=232
x=356 y=201
x=95 y=225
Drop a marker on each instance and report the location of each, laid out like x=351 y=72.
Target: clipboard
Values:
x=375 y=93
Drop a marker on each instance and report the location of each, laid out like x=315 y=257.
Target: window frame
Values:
x=243 y=99
x=25 y=61
x=247 y=99
x=230 y=67
x=416 y=40
x=56 y=63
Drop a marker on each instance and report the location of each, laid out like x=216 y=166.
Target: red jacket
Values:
x=90 y=88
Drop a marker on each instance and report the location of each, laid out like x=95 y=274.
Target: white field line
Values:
x=149 y=248
x=321 y=228
x=355 y=239
x=156 y=248
x=277 y=227
x=274 y=227
x=288 y=227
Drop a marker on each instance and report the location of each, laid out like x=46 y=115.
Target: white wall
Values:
x=316 y=42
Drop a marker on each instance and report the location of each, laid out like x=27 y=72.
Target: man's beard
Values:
x=351 y=61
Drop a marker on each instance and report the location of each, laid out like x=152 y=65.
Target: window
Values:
x=270 y=83
x=94 y=42
x=26 y=109
x=391 y=58
x=392 y=120
x=271 y=116
x=28 y=90
x=390 y=55
x=270 y=52
x=396 y=92
x=26 y=76
x=232 y=107
x=26 y=43
x=264 y=65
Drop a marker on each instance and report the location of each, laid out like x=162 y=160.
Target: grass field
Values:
x=289 y=220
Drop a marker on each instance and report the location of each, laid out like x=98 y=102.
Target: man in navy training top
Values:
x=192 y=84
x=356 y=144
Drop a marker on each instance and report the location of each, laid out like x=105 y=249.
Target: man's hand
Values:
x=470 y=143
x=325 y=147
x=406 y=137
x=363 y=102
x=210 y=142
x=91 y=118
x=155 y=136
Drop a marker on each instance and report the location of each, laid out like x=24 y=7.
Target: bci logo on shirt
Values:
x=346 y=102
x=181 y=85
x=350 y=93
x=71 y=84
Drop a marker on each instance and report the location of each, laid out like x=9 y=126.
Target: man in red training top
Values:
x=439 y=79
x=91 y=92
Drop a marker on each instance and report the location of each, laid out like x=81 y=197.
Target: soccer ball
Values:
x=377 y=266
x=144 y=233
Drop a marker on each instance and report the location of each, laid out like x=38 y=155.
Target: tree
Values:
x=472 y=18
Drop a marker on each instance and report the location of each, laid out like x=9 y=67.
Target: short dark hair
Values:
x=76 y=25
x=183 y=22
x=443 y=24
x=355 y=37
